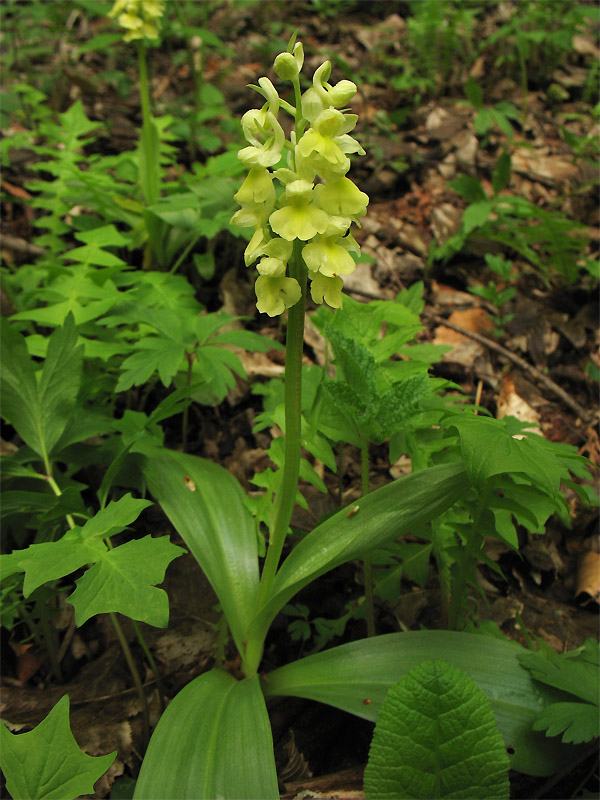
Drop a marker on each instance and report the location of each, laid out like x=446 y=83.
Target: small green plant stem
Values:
x=152 y=662
x=286 y=496
x=468 y=559
x=134 y=674
x=367 y=561
x=56 y=489
x=144 y=86
x=186 y=411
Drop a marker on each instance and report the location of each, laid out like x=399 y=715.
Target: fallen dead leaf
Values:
x=511 y=404
x=588 y=577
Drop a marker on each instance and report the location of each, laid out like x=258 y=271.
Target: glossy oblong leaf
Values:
x=47 y=763
x=214 y=740
x=205 y=503
x=357 y=676
x=382 y=515
x=436 y=736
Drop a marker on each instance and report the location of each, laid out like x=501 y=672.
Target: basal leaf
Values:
x=207 y=507
x=214 y=740
x=382 y=516
x=357 y=676
x=46 y=763
x=124 y=580
x=435 y=737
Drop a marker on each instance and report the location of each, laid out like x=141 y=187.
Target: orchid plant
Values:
x=214 y=739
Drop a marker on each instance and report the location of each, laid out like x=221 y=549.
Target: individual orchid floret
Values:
x=326 y=289
x=299 y=218
x=256 y=188
x=140 y=18
x=337 y=96
x=342 y=197
x=326 y=254
x=266 y=138
x=274 y=295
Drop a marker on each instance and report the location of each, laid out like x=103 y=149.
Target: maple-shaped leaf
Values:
x=124 y=580
x=575 y=672
x=47 y=763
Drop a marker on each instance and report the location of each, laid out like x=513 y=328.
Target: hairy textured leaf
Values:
x=214 y=740
x=357 y=676
x=435 y=737
x=46 y=763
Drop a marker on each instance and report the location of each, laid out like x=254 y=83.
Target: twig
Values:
x=535 y=373
x=581 y=412
x=19 y=245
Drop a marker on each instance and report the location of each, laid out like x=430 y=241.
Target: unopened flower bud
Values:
x=342 y=93
x=286 y=66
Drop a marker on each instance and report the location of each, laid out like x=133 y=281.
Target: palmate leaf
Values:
x=214 y=740
x=122 y=579
x=435 y=737
x=46 y=763
x=357 y=676
x=40 y=411
x=575 y=672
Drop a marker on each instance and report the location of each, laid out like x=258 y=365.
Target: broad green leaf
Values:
x=40 y=410
x=435 y=737
x=383 y=515
x=207 y=507
x=46 y=763
x=357 y=676
x=489 y=448
x=124 y=580
x=214 y=740
x=155 y=353
x=475 y=215
x=115 y=517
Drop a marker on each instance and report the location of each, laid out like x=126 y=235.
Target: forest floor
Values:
x=542 y=366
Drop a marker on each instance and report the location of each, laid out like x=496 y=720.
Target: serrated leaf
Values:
x=160 y=354
x=436 y=737
x=578 y=722
x=47 y=763
x=570 y=673
x=214 y=740
x=124 y=580
x=41 y=411
x=356 y=362
x=489 y=448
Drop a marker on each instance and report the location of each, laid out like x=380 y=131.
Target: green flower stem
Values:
x=286 y=496
x=144 y=86
x=134 y=674
x=367 y=562
x=56 y=489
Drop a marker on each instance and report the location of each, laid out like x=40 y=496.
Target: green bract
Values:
x=318 y=203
